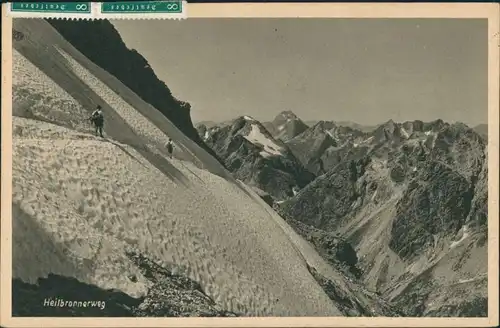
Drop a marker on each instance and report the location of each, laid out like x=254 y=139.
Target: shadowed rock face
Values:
x=325 y=145
x=327 y=201
x=29 y=299
x=413 y=204
x=170 y=295
x=351 y=306
x=286 y=126
x=330 y=246
x=255 y=157
x=265 y=196
x=437 y=201
x=100 y=42
x=310 y=146
x=173 y=295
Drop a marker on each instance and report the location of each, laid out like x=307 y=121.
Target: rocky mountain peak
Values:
x=248 y=118
x=286 y=126
x=460 y=127
x=247 y=125
x=387 y=131
x=287 y=115
x=254 y=156
x=390 y=125
x=435 y=125
x=324 y=126
x=413 y=126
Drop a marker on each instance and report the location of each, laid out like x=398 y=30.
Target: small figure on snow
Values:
x=97 y=118
x=170 y=147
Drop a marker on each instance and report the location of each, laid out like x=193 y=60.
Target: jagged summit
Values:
x=285 y=126
x=394 y=131
x=390 y=123
x=324 y=125
x=460 y=126
x=286 y=114
x=247 y=118
x=247 y=125
x=251 y=152
x=438 y=122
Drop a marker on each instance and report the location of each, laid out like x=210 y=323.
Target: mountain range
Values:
x=408 y=199
x=246 y=218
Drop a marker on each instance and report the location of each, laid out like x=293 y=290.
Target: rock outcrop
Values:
x=256 y=158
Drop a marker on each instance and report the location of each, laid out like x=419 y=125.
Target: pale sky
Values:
x=362 y=70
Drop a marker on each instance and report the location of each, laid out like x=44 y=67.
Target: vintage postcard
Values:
x=167 y=164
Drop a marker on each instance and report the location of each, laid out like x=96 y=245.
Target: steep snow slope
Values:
x=93 y=200
x=100 y=42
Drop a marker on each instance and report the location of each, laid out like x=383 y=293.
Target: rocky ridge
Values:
x=412 y=202
x=251 y=153
x=395 y=209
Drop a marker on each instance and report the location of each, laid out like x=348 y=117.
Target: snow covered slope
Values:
x=270 y=147
x=80 y=202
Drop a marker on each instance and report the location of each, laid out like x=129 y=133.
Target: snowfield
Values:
x=331 y=134
x=255 y=136
x=404 y=133
x=80 y=202
x=465 y=234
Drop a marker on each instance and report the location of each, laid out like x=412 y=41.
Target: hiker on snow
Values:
x=97 y=119
x=170 y=147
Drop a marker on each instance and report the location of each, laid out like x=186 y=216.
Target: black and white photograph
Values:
x=250 y=167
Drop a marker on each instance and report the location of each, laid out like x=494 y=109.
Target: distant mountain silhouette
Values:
x=482 y=129
x=285 y=126
x=353 y=125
